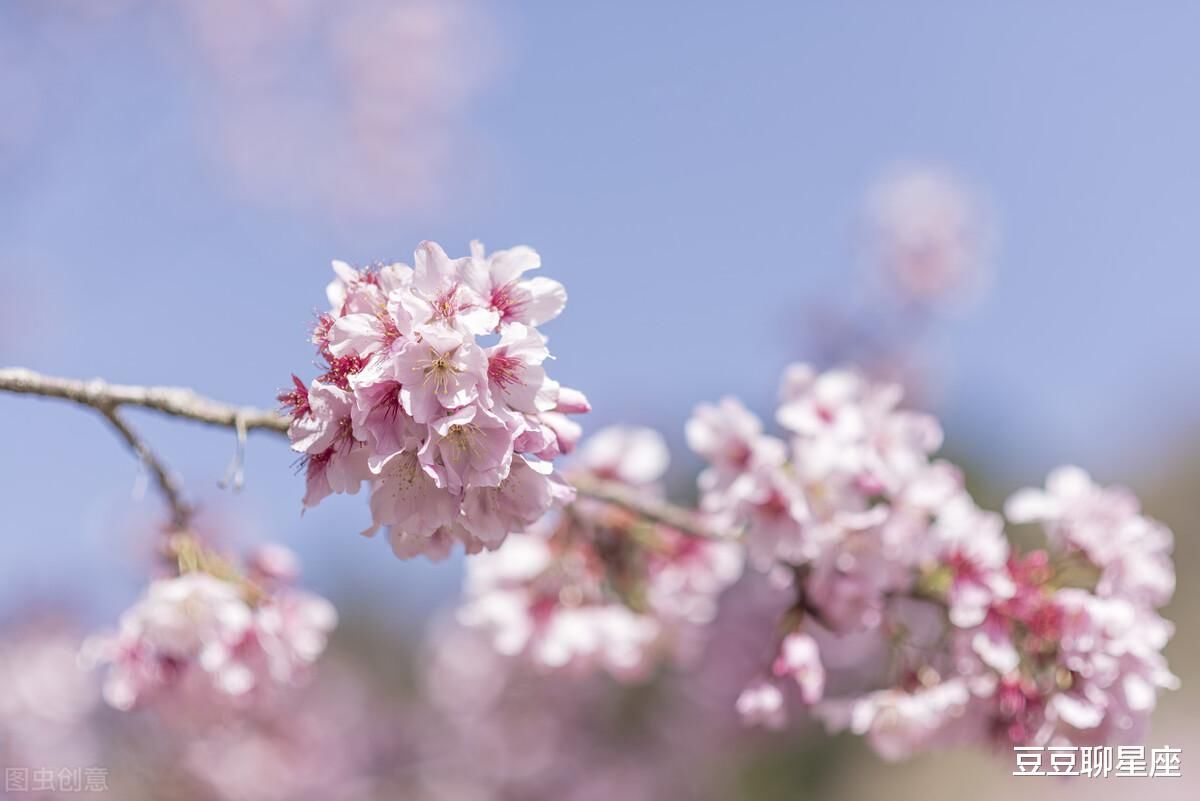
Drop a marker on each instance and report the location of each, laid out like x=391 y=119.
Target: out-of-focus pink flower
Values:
x=970 y=545
x=879 y=541
x=628 y=454
x=318 y=745
x=559 y=595
x=927 y=237
x=512 y=594
x=898 y=723
x=762 y=704
x=1112 y=652
x=800 y=659
x=1104 y=524
x=46 y=699
x=372 y=96
x=379 y=139
x=202 y=642
x=850 y=446
x=730 y=438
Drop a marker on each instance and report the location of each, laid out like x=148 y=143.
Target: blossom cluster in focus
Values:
x=434 y=393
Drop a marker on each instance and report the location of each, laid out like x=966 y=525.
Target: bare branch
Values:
x=174 y=401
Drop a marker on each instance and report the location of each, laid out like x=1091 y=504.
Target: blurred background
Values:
x=995 y=204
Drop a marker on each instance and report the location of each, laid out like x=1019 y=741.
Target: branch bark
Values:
x=107 y=399
x=174 y=401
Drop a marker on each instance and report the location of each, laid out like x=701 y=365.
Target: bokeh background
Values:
x=175 y=177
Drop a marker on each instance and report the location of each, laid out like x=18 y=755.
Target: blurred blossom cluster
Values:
x=597 y=586
x=455 y=436
x=926 y=237
x=882 y=541
x=46 y=700
x=369 y=95
x=211 y=637
x=925 y=242
x=318 y=743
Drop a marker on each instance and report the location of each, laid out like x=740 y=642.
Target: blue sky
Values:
x=693 y=178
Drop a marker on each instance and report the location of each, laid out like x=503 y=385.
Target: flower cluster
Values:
x=210 y=639
x=882 y=544
x=599 y=586
x=455 y=436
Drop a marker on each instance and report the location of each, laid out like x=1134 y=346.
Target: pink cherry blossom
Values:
x=1105 y=524
x=899 y=723
x=970 y=544
x=887 y=554
x=442 y=292
x=208 y=642
x=470 y=447
x=444 y=370
x=46 y=700
x=762 y=704
x=514 y=370
x=548 y=596
x=628 y=454
x=800 y=660
x=454 y=434
x=927 y=237
x=498 y=279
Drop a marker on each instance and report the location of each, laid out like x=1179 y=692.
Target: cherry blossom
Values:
x=887 y=554
x=1106 y=526
x=927 y=237
x=595 y=588
x=436 y=397
x=762 y=704
x=46 y=700
x=207 y=639
x=800 y=659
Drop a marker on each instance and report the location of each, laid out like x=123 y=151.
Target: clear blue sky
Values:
x=692 y=177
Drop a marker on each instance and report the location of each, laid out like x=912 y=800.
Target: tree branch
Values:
x=174 y=401
x=184 y=403
x=649 y=508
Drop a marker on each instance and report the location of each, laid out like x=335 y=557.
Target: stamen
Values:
x=440 y=370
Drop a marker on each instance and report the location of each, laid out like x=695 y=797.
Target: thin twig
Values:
x=181 y=512
x=185 y=403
